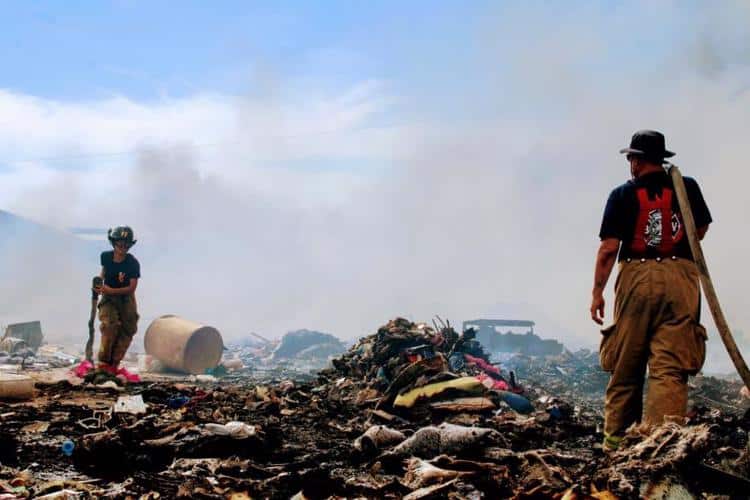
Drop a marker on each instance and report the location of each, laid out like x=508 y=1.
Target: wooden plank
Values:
x=705 y=277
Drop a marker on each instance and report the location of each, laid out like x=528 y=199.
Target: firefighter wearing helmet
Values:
x=118 y=312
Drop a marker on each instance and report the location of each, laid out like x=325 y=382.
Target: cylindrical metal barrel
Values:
x=183 y=345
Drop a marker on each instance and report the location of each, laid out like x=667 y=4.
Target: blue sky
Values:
x=452 y=61
x=148 y=49
x=441 y=49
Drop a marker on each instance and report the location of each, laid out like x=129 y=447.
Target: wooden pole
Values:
x=95 y=283
x=708 y=286
x=92 y=317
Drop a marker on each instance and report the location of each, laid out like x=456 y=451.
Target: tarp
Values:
x=469 y=385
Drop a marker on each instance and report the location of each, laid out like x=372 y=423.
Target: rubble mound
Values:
x=412 y=411
x=307 y=343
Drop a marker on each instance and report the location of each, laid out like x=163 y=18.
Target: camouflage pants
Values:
x=118 y=316
x=657 y=307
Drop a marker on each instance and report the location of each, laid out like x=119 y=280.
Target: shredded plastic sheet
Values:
x=130 y=377
x=237 y=430
x=130 y=404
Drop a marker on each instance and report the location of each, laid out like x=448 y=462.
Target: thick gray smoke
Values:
x=265 y=215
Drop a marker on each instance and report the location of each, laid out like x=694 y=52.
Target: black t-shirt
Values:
x=119 y=274
x=621 y=216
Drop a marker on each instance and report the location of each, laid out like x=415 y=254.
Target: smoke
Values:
x=338 y=210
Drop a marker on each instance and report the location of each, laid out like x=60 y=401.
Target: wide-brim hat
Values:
x=648 y=143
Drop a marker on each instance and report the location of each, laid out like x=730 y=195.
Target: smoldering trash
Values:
x=412 y=411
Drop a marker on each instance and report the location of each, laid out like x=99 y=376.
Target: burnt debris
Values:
x=411 y=411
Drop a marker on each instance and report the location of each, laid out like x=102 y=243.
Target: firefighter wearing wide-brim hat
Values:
x=118 y=311
x=657 y=294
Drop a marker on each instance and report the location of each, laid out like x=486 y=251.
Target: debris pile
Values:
x=677 y=461
x=718 y=393
x=46 y=357
x=307 y=350
x=301 y=343
x=573 y=376
x=300 y=354
x=412 y=411
x=400 y=343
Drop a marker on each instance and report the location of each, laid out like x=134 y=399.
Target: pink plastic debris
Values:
x=492 y=383
x=83 y=368
x=484 y=365
x=130 y=377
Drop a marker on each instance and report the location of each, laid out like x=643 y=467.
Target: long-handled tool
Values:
x=708 y=286
x=96 y=283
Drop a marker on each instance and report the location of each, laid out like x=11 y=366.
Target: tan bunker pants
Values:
x=657 y=307
x=118 y=316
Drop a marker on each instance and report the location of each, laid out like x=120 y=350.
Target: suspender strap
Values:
x=667 y=243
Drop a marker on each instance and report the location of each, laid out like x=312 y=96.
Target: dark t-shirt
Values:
x=119 y=274
x=622 y=212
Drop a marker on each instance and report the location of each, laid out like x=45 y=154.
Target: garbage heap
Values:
x=403 y=414
x=306 y=351
x=572 y=376
x=44 y=358
x=299 y=355
x=415 y=369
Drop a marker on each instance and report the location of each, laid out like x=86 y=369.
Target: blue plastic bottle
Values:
x=67 y=447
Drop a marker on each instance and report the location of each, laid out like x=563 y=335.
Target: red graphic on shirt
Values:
x=121 y=277
x=649 y=229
